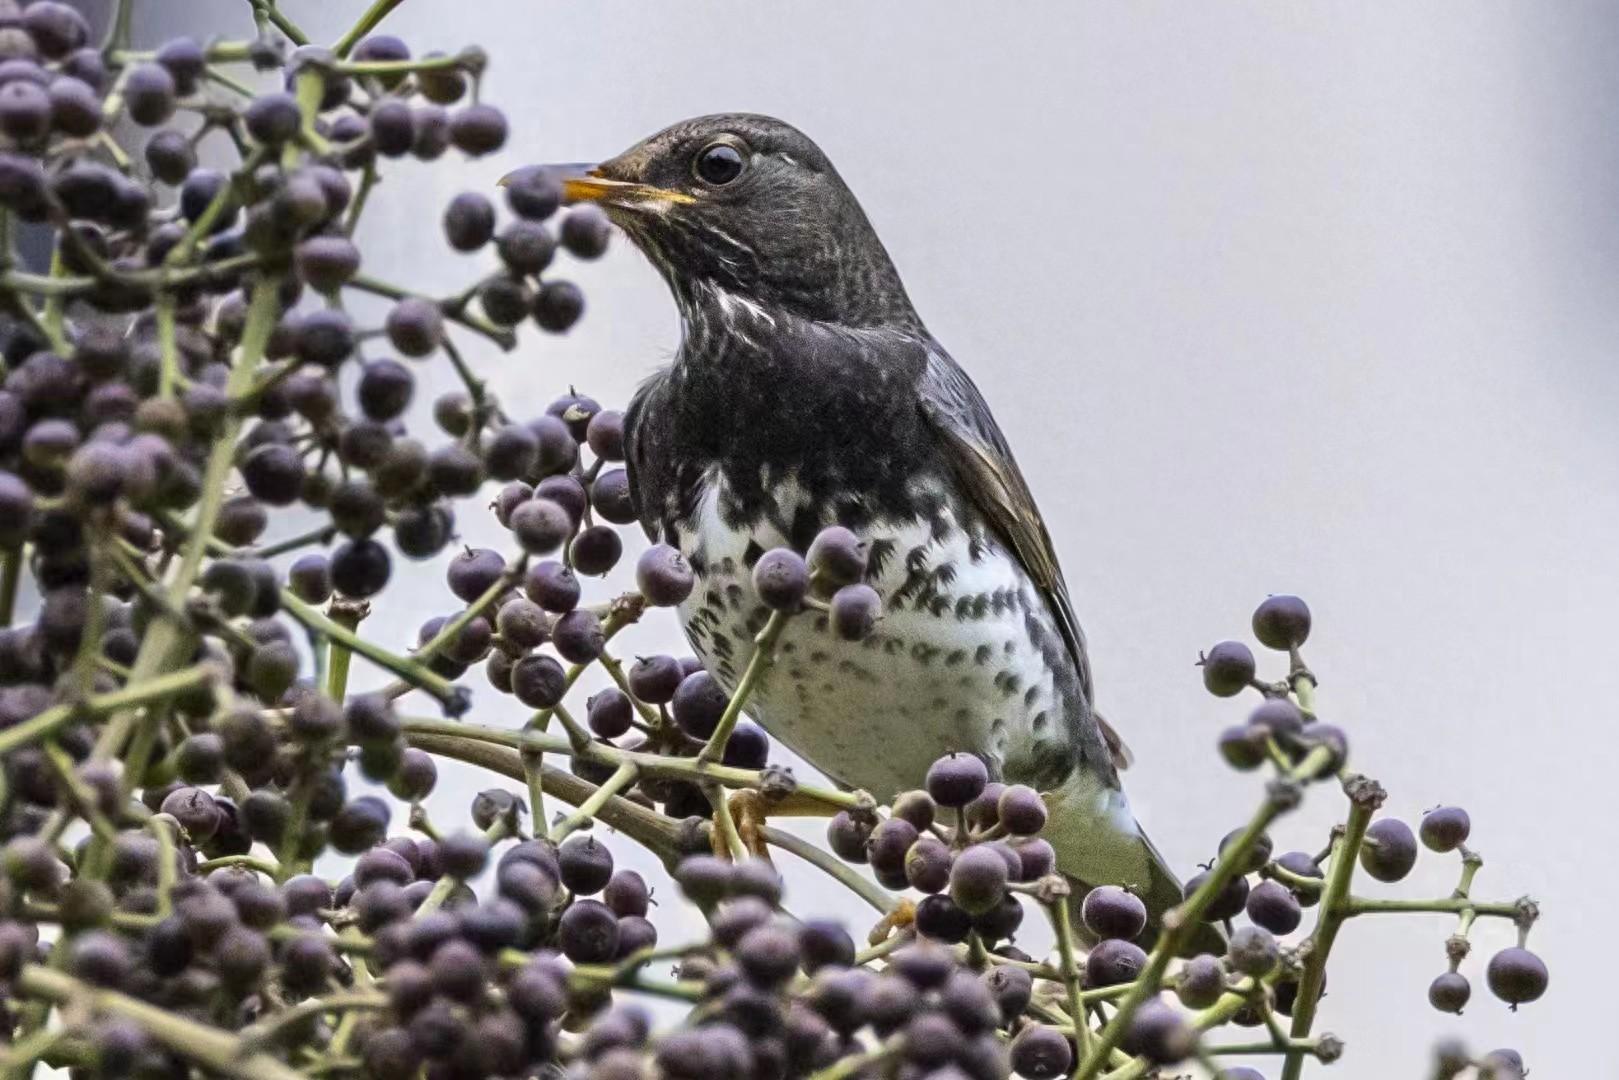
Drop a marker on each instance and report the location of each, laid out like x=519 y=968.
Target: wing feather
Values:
x=977 y=449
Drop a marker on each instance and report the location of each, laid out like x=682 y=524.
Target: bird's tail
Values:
x=1099 y=842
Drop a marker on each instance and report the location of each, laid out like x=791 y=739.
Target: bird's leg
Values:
x=900 y=919
x=748 y=808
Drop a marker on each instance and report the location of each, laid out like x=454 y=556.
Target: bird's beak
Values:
x=583 y=183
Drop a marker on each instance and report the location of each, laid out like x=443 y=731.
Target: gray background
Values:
x=1311 y=298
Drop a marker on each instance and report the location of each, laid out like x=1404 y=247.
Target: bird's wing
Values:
x=976 y=448
x=646 y=451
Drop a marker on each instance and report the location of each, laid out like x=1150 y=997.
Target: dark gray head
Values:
x=748 y=206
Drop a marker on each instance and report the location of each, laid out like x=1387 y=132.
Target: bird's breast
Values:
x=966 y=656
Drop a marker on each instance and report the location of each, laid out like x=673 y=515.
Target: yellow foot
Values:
x=901 y=918
x=748 y=808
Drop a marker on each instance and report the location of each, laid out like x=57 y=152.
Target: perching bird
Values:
x=807 y=392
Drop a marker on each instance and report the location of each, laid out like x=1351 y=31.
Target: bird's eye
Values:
x=718 y=164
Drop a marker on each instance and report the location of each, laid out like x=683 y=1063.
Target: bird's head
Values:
x=746 y=207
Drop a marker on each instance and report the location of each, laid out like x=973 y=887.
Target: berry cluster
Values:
x=180 y=750
x=964 y=872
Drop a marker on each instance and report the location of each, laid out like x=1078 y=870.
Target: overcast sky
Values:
x=1269 y=298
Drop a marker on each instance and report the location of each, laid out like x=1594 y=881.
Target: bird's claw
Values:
x=747 y=808
x=901 y=918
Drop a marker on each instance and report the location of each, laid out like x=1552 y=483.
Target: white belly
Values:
x=952 y=665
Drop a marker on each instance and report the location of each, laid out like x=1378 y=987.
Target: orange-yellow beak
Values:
x=584 y=183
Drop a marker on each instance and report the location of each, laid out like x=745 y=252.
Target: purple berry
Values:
x=1228 y=668
x=957 y=779
x=837 y=557
x=1227 y=902
x=655 y=679
x=1252 y=951
x=1273 y=906
x=663 y=576
x=610 y=713
x=1160 y=1034
x=1110 y=912
x=1278 y=716
x=1112 y=962
x=978 y=879
x=855 y=611
x=1202 y=982
x=698 y=704
x=1516 y=976
x=1243 y=747
x=586 y=865
x=1449 y=992
x=1041 y=1053
x=1445 y=828
x=781 y=579
x=1389 y=851
x=1021 y=810
x=1282 y=622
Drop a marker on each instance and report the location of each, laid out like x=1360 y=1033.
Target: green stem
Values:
x=409 y=67
x=164 y=641
x=218 y=1050
x=203 y=225
x=167 y=871
x=320 y=535
x=1233 y=1002
x=169 y=351
x=235 y=86
x=622 y=778
x=578 y=737
x=418 y=675
x=20 y=1060
x=530 y=740
x=1359 y=905
x=220 y=52
x=623 y=611
x=477 y=391
x=289 y=855
x=861 y=1064
x=764 y=654
x=691 y=992
x=18 y=281
x=1057 y=912
x=1184 y=920
x=646 y=827
x=497 y=831
x=265 y=1031
x=248 y=862
x=116 y=702
x=615 y=671
x=500 y=335
x=368 y=180
x=725 y=822
x=835 y=868
x=1300 y=1046
x=56 y=304
x=308 y=86
x=1301 y=681
x=1327 y=926
x=452 y=629
x=271 y=11
x=367 y=22
x=1296 y=882
x=347 y=615
x=533 y=766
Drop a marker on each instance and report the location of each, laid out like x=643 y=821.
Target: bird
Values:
x=807 y=392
